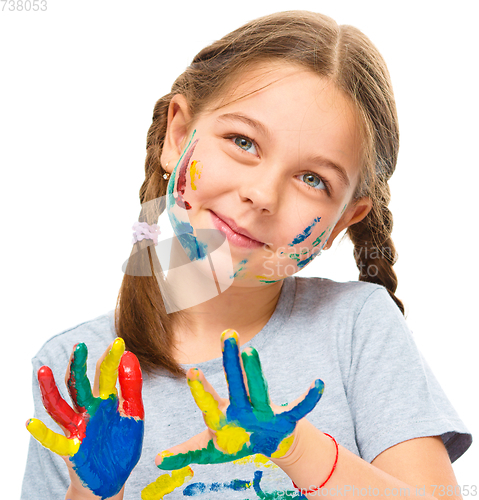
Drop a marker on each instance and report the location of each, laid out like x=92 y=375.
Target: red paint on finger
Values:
x=131 y=381
x=57 y=407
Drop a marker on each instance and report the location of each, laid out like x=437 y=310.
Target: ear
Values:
x=179 y=118
x=354 y=213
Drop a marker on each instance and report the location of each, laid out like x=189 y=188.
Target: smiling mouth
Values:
x=234 y=234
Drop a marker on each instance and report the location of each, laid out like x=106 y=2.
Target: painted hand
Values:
x=104 y=434
x=249 y=425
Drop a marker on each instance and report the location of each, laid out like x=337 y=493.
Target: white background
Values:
x=78 y=86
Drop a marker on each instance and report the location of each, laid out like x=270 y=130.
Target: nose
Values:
x=261 y=188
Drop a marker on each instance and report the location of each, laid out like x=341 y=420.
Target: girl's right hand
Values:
x=104 y=433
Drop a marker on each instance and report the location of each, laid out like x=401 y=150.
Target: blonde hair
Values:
x=313 y=41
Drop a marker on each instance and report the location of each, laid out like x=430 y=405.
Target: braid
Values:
x=142 y=320
x=374 y=250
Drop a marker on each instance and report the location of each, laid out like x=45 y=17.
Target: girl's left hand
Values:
x=246 y=424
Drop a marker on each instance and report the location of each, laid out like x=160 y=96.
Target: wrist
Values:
x=311 y=457
x=75 y=493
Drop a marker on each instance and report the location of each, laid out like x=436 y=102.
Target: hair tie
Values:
x=143 y=231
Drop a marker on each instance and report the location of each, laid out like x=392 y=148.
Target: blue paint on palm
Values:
x=110 y=450
x=266 y=433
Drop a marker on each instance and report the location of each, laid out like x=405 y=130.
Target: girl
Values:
x=274 y=140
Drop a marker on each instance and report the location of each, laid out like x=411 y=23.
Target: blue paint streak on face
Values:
x=240 y=268
x=265 y=437
x=302 y=263
x=302 y=236
x=106 y=459
x=194 y=248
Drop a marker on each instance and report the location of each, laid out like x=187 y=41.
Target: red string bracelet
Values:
x=313 y=490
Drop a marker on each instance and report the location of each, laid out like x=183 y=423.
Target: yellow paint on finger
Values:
x=195 y=172
x=229 y=333
x=207 y=404
x=259 y=460
x=231 y=438
x=283 y=447
x=57 y=443
x=166 y=484
x=109 y=368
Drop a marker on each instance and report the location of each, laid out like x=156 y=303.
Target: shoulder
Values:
x=343 y=298
x=97 y=334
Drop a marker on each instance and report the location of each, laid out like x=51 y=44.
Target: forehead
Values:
x=295 y=104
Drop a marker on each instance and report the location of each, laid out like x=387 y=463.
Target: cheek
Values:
x=196 y=169
x=304 y=246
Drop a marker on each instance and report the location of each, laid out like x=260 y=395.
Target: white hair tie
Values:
x=143 y=231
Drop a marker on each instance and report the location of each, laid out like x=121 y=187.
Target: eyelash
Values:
x=237 y=136
x=327 y=187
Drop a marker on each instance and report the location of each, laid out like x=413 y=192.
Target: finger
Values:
x=166 y=484
x=109 y=369
x=77 y=381
x=56 y=406
x=96 y=383
x=234 y=373
x=257 y=385
x=206 y=398
x=57 y=443
x=131 y=381
x=307 y=404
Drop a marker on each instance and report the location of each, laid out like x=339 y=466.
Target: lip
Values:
x=234 y=234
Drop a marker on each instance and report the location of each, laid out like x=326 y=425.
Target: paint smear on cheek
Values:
x=305 y=234
x=195 y=173
x=181 y=184
x=317 y=241
x=241 y=267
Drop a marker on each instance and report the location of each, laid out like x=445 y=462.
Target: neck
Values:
x=197 y=329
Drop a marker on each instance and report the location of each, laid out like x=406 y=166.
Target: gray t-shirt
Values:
x=378 y=390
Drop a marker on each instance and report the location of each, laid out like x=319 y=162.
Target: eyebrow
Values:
x=247 y=120
x=340 y=171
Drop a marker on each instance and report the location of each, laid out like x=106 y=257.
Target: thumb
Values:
x=185 y=453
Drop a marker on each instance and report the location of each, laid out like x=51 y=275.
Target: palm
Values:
x=249 y=425
x=105 y=432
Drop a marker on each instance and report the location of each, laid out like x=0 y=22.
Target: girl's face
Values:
x=274 y=169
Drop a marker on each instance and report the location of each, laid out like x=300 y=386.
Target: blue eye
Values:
x=313 y=180
x=245 y=144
